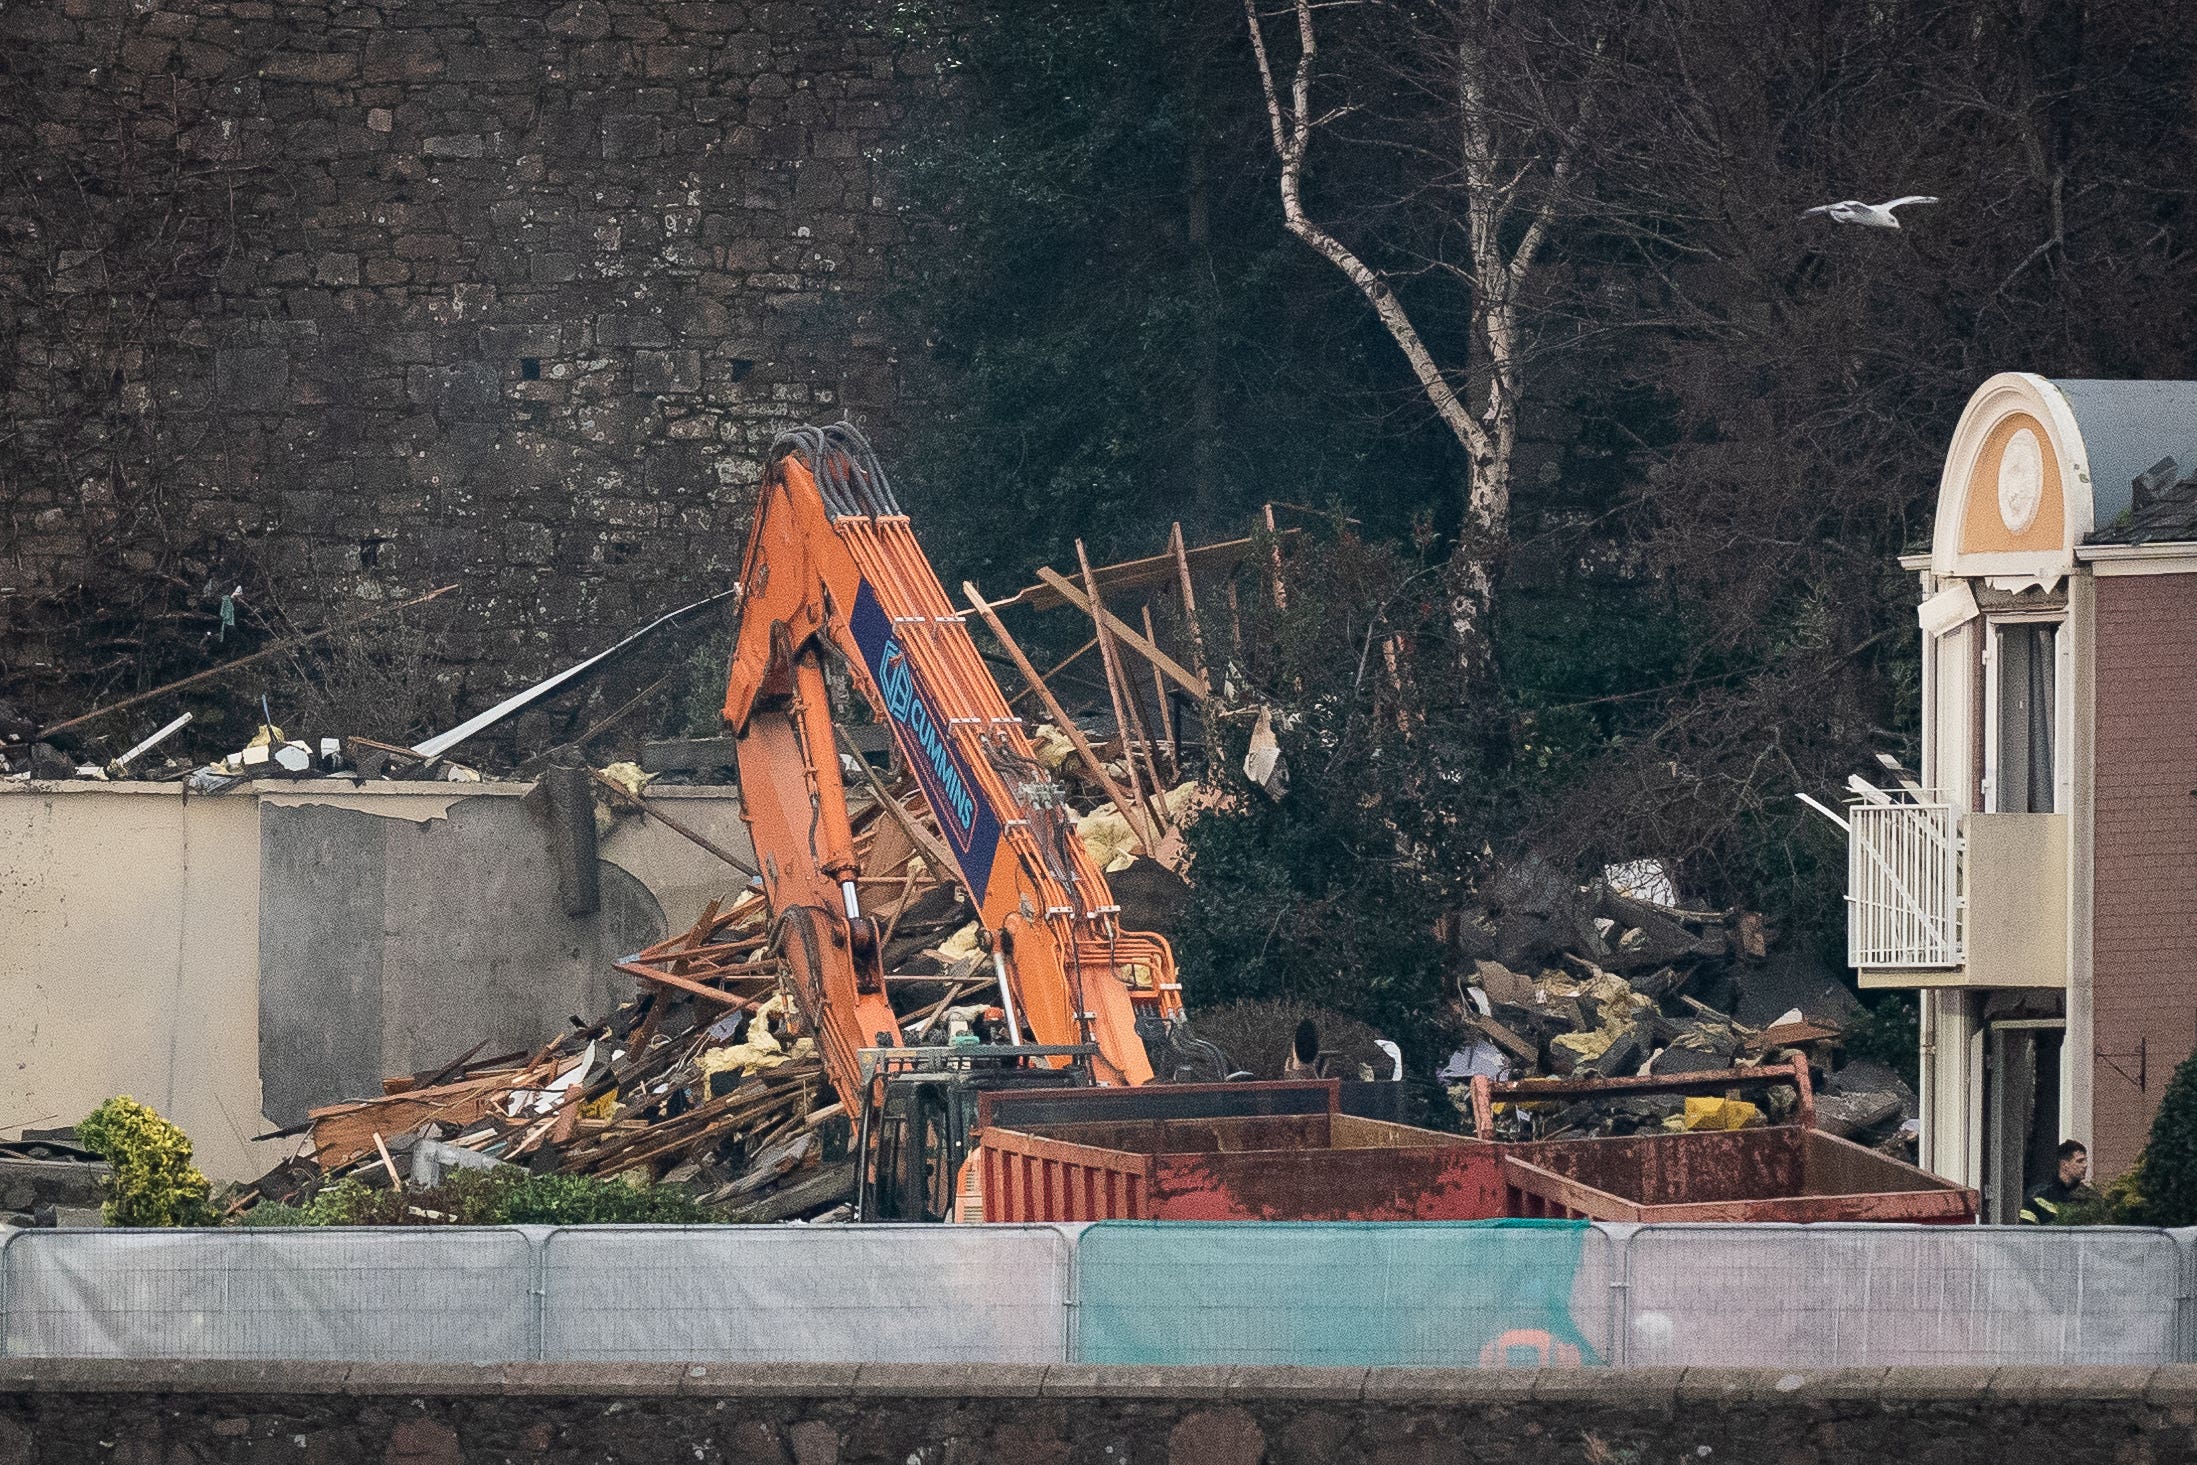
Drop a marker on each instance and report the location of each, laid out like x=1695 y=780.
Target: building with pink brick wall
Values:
x=2037 y=880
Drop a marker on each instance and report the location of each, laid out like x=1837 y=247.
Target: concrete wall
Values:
x=235 y=961
x=2145 y=891
x=76 y=1412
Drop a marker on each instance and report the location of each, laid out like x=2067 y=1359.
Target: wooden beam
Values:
x=1122 y=630
x=943 y=865
x=1138 y=823
x=1127 y=719
x=1274 y=561
x=395 y=1180
x=1166 y=714
x=1142 y=574
x=1189 y=602
x=665 y=979
x=613 y=717
x=633 y=801
x=1058 y=667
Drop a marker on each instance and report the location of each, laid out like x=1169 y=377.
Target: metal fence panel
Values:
x=347 y=1294
x=2185 y=1294
x=852 y=1294
x=1457 y=1294
x=1832 y=1296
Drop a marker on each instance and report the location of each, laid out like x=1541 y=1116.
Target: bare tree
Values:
x=1493 y=145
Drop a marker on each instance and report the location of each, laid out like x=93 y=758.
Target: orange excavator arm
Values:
x=832 y=570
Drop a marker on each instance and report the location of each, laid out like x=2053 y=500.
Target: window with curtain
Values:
x=2027 y=662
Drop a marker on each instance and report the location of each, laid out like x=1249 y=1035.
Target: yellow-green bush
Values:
x=154 y=1182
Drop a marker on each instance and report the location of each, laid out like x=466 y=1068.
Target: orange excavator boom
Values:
x=833 y=572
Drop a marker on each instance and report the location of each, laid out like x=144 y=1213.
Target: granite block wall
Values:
x=340 y=300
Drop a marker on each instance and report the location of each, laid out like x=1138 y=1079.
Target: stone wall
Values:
x=339 y=300
x=63 y=1413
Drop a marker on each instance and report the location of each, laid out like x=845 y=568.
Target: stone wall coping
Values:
x=1656 y=1388
x=336 y=788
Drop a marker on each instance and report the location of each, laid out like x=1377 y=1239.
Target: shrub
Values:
x=2165 y=1178
x=507 y=1197
x=275 y=1213
x=580 y=1200
x=154 y=1182
x=1890 y=1034
x=1329 y=895
x=2120 y=1203
x=2160 y=1189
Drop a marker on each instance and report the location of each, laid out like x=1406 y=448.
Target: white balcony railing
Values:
x=1903 y=886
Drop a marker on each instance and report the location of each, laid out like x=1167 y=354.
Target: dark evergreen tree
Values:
x=2165 y=1180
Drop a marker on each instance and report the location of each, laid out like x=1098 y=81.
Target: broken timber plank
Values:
x=821 y=1187
x=1166 y=716
x=943 y=865
x=619 y=792
x=665 y=979
x=1139 y=824
x=1504 y=1038
x=1121 y=629
x=1058 y=667
x=1126 y=718
x=1152 y=570
x=1189 y=603
x=344 y=1132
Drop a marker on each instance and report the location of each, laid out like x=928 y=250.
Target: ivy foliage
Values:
x=153 y=1182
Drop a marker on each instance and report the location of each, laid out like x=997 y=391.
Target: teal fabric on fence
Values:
x=1454 y=1293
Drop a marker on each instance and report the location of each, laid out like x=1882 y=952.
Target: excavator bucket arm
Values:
x=833 y=571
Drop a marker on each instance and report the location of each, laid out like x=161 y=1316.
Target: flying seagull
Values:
x=1873 y=215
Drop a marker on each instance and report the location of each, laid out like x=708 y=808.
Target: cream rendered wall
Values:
x=682 y=875
x=129 y=929
x=1950 y=1143
x=130 y=940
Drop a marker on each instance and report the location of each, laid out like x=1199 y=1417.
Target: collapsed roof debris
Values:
x=26 y=755
x=1588 y=982
x=710 y=1078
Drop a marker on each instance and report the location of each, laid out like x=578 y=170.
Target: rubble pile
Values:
x=717 y=1094
x=31 y=753
x=643 y=1098
x=1618 y=978
x=708 y=1079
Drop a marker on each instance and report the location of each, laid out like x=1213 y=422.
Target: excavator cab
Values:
x=919 y=1117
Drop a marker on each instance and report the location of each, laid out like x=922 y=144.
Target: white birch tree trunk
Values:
x=1478 y=406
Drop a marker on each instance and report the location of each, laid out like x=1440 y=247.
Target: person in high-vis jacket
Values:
x=2041 y=1207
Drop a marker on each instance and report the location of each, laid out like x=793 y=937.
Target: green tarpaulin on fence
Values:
x=1459 y=1293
